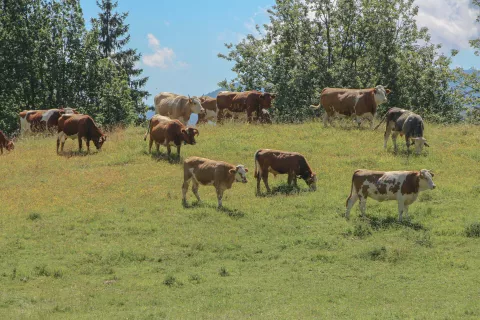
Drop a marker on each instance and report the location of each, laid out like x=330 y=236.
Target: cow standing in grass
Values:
x=5 y=143
x=167 y=132
x=402 y=186
x=404 y=122
x=79 y=126
x=202 y=171
x=281 y=162
x=176 y=106
x=356 y=103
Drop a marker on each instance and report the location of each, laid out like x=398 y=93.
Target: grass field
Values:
x=105 y=235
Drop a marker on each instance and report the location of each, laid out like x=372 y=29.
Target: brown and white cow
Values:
x=357 y=103
x=79 y=126
x=168 y=132
x=402 y=186
x=202 y=171
x=209 y=104
x=176 y=106
x=41 y=120
x=248 y=101
x=282 y=162
x=5 y=143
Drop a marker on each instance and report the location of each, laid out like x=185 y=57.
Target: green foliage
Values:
x=48 y=60
x=310 y=45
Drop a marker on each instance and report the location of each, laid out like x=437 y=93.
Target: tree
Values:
x=113 y=37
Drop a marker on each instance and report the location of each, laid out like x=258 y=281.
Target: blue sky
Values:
x=180 y=40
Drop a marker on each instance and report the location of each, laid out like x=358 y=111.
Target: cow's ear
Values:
x=184 y=131
x=246 y=170
x=388 y=91
x=375 y=90
x=232 y=171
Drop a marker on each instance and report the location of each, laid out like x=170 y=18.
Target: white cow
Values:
x=402 y=186
x=177 y=106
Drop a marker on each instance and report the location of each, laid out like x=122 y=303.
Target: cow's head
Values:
x=189 y=135
x=426 y=180
x=195 y=105
x=380 y=94
x=311 y=181
x=240 y=173
x=419 y=143
x=99 y=143
x=10 y=146
x=266 y=100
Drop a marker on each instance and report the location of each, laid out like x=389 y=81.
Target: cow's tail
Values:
x=314 y=107
x=148 y=130
x=383 y=119
x=255 y=160
x=351 y=189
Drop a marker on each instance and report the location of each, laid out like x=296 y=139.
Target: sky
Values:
x=179 y=40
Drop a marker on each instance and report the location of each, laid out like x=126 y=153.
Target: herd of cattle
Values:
x=168 y=128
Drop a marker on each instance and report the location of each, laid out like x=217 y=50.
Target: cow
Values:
x=224 y=102
x=5 y=143
x=402 y=186
x=79 y=126
x=251 y=101
x=41 y=120
x=407 y=123
x=282 y=162
x=202 y=171
x=209 y=104
x=357 y=103
x=177 y=106
x=168 y=132
x=264 y=117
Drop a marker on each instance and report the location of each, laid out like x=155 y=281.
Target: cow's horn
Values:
x=197 y=133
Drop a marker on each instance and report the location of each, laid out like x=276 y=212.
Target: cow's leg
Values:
x=58 y=143
x=407 y=142
x=157 y=145
x=350 y=202
x=394 y=140
x=249 y=116
x=325 y=119
x=1 y=149
x=79 y=143
x=185 y=189
x=363 y=205
x=88 y=145
x=405 y=210
x=290 y=178
x=169 y=150
x=388 y=131
x=401 y=208
x=195 y=189
x=219 y=197
x=259 y=177
x=265 y=180
x=150 y=144
x=178 y=150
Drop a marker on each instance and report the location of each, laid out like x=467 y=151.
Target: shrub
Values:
x=473 y=230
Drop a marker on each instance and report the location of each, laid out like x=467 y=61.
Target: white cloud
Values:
x=450 y=22
x=162 y=58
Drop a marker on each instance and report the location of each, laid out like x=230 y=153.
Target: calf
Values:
x=79 y=126
x=168 y=132
x=5 y=143
x=281 y=162
x=210 y=172
x=402 y=186
x=407 y=123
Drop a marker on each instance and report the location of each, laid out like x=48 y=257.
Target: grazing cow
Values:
x=41 y=120
x=358 y=103
x=210 y=106
x=177 y=106
x=281 y=162
x=210 y=172
x=407 y=123
x=168 y=132
x=5 y=143
x=402 y=186
x=79 y=126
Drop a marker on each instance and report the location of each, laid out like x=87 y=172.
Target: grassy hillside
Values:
x=105 y=235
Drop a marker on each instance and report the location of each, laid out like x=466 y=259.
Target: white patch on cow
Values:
x=24 y=124
x=241 y=174
x=196 y=106
x=426 y=180
x=380 y=95
x=211 y=115
x=419 y=143
x=47 y=115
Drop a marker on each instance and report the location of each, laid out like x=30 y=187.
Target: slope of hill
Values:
x=105 y=235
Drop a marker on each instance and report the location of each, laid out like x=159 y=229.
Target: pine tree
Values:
x=113 y=37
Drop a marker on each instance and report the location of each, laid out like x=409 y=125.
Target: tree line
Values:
x=312 y=44
x=48 y=59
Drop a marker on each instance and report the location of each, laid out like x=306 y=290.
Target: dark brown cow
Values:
x=5 y=143
x=358 y=103
x=282 y=162
x=224 y=102
x=168 y=132
x=41 y=120
x=251 y=101
x=210 y=106
x=206 y=172
x=402 y=186
x=79 y=126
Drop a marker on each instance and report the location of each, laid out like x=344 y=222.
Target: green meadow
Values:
x=105 y=235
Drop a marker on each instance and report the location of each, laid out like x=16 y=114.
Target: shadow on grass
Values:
x=232 y=213
x=284 y=189
x=389 y=222
x=161 y=156
x=71 y=153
